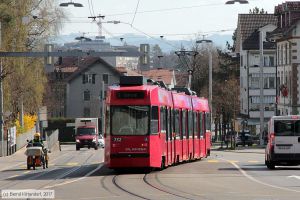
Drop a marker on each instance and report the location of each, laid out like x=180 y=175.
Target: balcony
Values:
x=267 y=69
x=256 y=114
x=267 y=92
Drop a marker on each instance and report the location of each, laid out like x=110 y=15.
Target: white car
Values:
x=101 y=141
x=283 y=146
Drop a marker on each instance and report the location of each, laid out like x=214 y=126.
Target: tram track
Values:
x=163 y=190
x=148 y=183
x=39 y=174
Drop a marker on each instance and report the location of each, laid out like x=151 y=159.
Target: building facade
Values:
x=287 y=37
x=250 y=28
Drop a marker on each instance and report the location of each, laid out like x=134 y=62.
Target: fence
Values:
x=52 y=138
x=14 y=142
x=22 y=138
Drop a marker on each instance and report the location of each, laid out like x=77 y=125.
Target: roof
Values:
x=247 y=31
x=159 y=74
x=128 y=72
x=287 y=6
x=82 y=64
x=288 y=14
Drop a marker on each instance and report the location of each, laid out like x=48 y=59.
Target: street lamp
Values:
x=237 y=1
x=209 y=73
x=71 y=3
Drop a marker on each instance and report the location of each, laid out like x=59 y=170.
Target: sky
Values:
x=173 y=19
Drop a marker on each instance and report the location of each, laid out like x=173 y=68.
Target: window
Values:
x=242 y=61
x=133 y=120
x=201 y=124
x=86 y=95
x=170 y=125
x=154 y=120
x=254 y=82
x=286 y=128
x=207 y=121
x=183 y=124
x=163 y=127
x=86 y=112
x=88 y=78
x=271 y=61
x=272 y=82
x=266 y=82
x=190 y=124
x=176 y=123
x=107 y=120
x=105 y=78
x=196 y=125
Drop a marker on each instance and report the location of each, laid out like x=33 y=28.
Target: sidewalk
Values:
x=19 y=158
x=218 y=147
x=14 y=160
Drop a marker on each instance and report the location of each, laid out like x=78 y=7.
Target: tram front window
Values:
x=130 y=120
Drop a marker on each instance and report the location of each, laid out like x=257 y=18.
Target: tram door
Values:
x=169 y=141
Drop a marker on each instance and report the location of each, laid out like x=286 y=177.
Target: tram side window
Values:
x=201 y=124
x=183 y=124
x=176 y=123
x=207 y=121
x=195 y=125
x=154 y=120
x=163 y=119
x=190 y=124
x=170 y=124
x=166 y=111
x=107 y=121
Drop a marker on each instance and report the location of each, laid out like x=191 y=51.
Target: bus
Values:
x=150 y=126
x=283 y=147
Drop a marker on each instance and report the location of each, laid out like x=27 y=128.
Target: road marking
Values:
x=253 y=161
x=78 y=179
x=234 y=161
x=72 y=164
x=293 y=176
x=213 y=161
x=13 y=176
x=26 y=172
x=258 y=181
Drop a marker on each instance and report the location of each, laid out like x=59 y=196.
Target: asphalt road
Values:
x=228 y=175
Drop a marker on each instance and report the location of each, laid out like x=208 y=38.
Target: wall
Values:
x=75 y=89
x=22 y=138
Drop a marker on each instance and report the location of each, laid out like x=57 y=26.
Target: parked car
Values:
x=244 y=139
x=101 y=141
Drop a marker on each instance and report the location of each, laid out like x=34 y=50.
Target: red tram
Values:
x=151 y=126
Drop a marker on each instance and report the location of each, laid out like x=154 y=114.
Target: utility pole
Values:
x=102 y=109
x=1 y=98
x=209 y=73
x=261 y=81
x=99 y=23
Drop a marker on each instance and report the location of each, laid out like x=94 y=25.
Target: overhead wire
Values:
x=92 y=5
x=165 y=9
x=90 y=9
x=136 y=9
x=138 y=30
